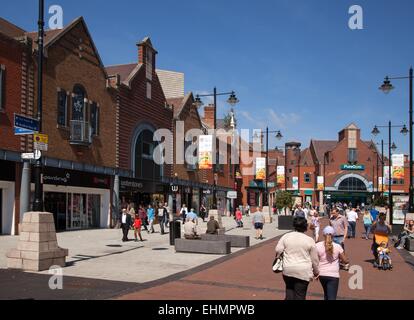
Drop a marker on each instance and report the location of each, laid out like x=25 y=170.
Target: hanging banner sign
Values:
x=295 y=183
x=321 y=183
x=281 y=175
x=386 y=176
x=398 y=166
x=205 y=152
x=381 y=184
x=260 y=168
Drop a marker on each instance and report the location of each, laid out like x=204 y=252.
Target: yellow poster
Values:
x=205 y=153
x=261 y=169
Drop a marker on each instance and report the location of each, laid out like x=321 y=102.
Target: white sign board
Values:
x=232 y=195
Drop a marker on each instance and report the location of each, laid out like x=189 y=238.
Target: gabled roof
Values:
x=124 y=70
x=147 y=42
x=52 y=36
x=10 y=30
x=306 y=158
x=322 y=146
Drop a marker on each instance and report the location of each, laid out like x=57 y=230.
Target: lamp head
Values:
x=376 y=132
x=233 y=99
x=198 y=103
x=386 y=87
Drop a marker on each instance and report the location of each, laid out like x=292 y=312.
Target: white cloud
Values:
x=283 y=120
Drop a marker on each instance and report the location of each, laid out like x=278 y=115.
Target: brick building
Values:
x=16 y=97
x=79 y=116
x=142 y=109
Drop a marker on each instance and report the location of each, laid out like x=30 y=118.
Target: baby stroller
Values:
x=381 y=240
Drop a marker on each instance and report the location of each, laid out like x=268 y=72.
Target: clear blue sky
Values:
x=295 y=64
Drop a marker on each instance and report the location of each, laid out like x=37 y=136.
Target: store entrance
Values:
x=352 y=198
x=56 y=203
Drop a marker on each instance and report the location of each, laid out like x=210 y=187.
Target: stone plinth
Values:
x=267 y=214
x=217 y=216
x=37 y=249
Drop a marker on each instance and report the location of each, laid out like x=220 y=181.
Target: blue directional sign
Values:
x=22 y=132
x=24 y=122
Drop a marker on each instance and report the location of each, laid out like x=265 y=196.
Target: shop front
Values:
x=142 y=192
x=7 y=196
x=78 y=200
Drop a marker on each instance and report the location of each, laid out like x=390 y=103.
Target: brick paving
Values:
x=248 y=276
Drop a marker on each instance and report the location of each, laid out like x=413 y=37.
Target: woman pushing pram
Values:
x=380 y=248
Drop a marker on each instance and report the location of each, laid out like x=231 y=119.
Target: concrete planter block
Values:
x=202 y=246
x=15 y=254
x=409 y=244
x=13 y=263
x=267 y=215
x=27 y=217
x=42 y=218
x=37 y=249
x=24 y=236
x=235 y=241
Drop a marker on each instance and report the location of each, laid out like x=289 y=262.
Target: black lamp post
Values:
x=232 y=100
x=279 y=137
x=386 y=87
x=38 y=196
x=391 y=147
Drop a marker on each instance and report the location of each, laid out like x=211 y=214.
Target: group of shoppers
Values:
x=305 y=261
x=144 y=217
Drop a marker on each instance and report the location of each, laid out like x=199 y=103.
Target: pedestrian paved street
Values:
x=248 y=276
x=99 y=260
x=101 y=267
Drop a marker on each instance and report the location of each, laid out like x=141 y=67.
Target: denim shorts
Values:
x=338 y=240
x=258 y=226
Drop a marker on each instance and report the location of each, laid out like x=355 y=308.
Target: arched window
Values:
x=78 y=104
x=352 y=184
x=145 y=167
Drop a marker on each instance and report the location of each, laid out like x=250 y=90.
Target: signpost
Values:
x=232 y=195
x=41 y=142
x=24 y=122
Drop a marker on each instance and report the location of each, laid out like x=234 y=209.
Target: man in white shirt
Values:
x=126 y=222
x=190 y=230
x=352 y=217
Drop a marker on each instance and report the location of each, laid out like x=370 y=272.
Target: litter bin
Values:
x=175 y=231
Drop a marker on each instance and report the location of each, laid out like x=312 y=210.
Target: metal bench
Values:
x=236 y=241
x=202 y=246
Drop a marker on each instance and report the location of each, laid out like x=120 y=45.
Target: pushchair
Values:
x=380 y=239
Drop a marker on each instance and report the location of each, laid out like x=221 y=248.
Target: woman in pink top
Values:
x=330 y=254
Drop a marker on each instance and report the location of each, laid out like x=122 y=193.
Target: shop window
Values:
x=94 y=118
x=145 y=167
x=352 y=155
x=149 y=90
x=62 y=108
x=2 y=86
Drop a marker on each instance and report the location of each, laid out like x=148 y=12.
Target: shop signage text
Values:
x=353 y=167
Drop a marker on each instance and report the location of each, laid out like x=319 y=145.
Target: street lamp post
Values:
x=38 y=196
x=198 y=103
x=386 y=87
x=391 y=147
x=279 y=137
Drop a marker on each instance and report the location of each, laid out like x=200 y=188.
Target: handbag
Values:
x=277 y=266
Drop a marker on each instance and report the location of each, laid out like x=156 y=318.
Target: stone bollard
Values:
x=37 y=249
x=267 y=215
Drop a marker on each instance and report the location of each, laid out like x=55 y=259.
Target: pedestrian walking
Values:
x=151 y=218
x=143 y=216
x=239 y=218
x=340 y=225
x=137 y=228
x=203 y=212
x=300 y=260
x=183 y=213
x=161 y=218
x=126 y=223
x=167 y=212
x=352 y=217
x=315 y=225
x=330 y=255
x=367 y=219
x=258 y=223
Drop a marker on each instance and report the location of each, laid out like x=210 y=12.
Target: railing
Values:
x=80 y=132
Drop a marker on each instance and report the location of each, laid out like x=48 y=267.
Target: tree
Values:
x=284 y=200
